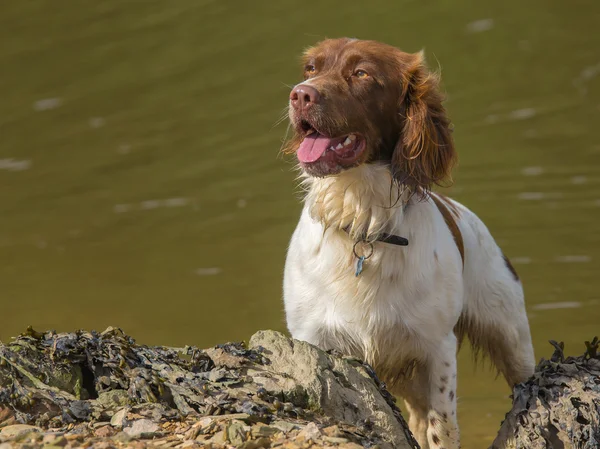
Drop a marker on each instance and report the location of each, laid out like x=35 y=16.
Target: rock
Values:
x=263 y=430
x=17 y=430
x=335 y=440
x=113 y=399
x=310 y=433
x=284 y=426
x=61 y=441
x=335 y=387
x=104 y=431
x=559 y=406
x=332 y=431
x=277 y=392
x=119 y=419
x=235 y=432
x=142 y=428
x=80 y=409
x=5 y=413
x=256 y=444
x=231 y=394
x=188 y=443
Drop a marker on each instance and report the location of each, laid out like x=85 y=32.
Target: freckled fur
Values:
x=407 y=313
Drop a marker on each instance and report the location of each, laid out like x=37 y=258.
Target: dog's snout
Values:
x=304 y=96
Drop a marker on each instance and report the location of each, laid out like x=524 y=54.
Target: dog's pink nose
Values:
x=303 y=96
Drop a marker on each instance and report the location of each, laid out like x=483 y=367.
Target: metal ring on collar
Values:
x=370 y=246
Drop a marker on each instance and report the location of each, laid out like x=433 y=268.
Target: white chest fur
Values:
x=394 y=309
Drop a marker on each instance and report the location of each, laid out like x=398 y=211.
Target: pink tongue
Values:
x=313 y=147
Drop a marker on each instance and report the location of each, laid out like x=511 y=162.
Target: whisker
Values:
x=285 y=138
x=280 y=120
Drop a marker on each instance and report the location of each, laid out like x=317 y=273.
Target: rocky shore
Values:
x=102 y=390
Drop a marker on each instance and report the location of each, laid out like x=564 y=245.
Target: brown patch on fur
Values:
x=451 y=395
x=450 y=205
x=433 y=421
x=442 y=389
x=511 y=268
x=447 y=365
x=425 y=152
x=444 y=379
x=452 y=225
x=435 y=439
x=445 y=416
x=397 y=108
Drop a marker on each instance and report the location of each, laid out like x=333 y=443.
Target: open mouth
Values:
x=344 y=150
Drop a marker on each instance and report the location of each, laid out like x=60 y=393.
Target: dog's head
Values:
x=364 y=101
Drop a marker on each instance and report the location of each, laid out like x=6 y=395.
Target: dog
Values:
x=379 y=266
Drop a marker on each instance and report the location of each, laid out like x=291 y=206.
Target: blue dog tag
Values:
x=359 y=265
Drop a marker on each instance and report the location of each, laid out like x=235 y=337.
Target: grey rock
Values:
x=119 y=419
x=310 y=433
x=141 y=428
x=335 y=387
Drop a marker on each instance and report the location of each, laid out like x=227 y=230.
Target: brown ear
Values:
x=424 y=154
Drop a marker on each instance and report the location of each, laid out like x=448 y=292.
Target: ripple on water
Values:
x=151 y=204
x=479 y=26
x=97 y=122
x=557 y=305
x=573 y=259
x=531 y=196
x=532 y=171
x=522 y=114
x=47 y=104
x=15 y=164
x=517 y=114
x=209 y=271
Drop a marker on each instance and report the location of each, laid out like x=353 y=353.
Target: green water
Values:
x=140 y=183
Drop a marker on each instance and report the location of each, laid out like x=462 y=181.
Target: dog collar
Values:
x=383 y=237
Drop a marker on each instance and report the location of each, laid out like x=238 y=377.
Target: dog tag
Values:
x=359 y=265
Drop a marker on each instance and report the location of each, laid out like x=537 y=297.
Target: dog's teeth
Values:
x=352 y=137
x=339 y=147
x=347 y=141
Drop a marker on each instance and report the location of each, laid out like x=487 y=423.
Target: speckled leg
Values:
x=442 y=428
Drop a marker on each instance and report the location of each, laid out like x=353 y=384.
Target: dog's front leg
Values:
x=442 y=428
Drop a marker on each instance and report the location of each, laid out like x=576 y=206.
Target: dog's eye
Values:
x=310 y=69
x=361 y=74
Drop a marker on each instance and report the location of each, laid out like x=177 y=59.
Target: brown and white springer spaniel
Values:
x=372 y=138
